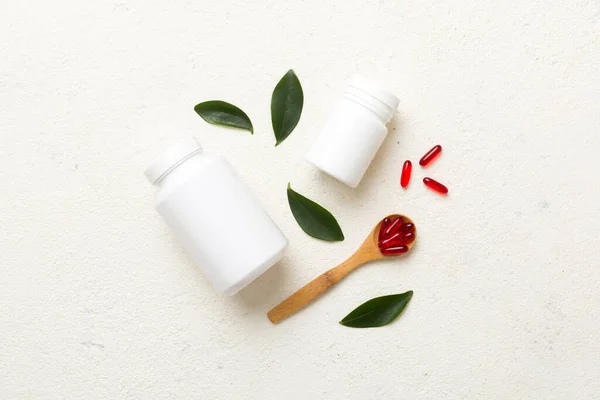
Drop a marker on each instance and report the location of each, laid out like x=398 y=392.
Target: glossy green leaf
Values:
x=221 y=113
x=379 y=311
x=286 y=106
x=314 y=219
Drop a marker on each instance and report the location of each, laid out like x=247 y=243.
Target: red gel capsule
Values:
x=430 y=155
x=406 y=171
x=392 y=227
x=408 y=227
x=384 y=225
x=435 y=185
x=392 y=251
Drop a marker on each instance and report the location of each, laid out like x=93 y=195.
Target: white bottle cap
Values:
x=171 y=158
x=374 y=97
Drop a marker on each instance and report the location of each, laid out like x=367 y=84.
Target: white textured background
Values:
x=98 y=302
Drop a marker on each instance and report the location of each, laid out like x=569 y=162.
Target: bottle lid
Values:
x=374 y=97
x=171 y=158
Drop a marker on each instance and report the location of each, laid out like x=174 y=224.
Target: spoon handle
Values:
x=313 y=289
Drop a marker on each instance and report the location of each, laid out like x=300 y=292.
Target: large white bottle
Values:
x=215 y=216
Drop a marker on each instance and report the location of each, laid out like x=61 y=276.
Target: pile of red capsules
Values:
x=424 y=161
x=395 y=234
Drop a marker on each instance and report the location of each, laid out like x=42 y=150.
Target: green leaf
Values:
x=379 y=311
x=286 y=106
x=221 y=113
x=314 y=219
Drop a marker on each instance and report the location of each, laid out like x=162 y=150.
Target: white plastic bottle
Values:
x=215 y=216
x=351 y=137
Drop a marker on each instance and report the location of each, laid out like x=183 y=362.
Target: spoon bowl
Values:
x=370 y=250
x=372 y=241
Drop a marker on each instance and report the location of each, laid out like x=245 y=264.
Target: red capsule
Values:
x=435 y=185
x=384 y=225
x=407 y=227
x=406 y=171
x=392 y=227
x=430 y=155
x=392 y=251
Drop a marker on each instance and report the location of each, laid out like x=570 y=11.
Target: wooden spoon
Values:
x=368 y=251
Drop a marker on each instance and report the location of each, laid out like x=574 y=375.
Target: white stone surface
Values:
x=98 y=302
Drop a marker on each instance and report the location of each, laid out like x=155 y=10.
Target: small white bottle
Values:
x=215 y=216
x=351 y=137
